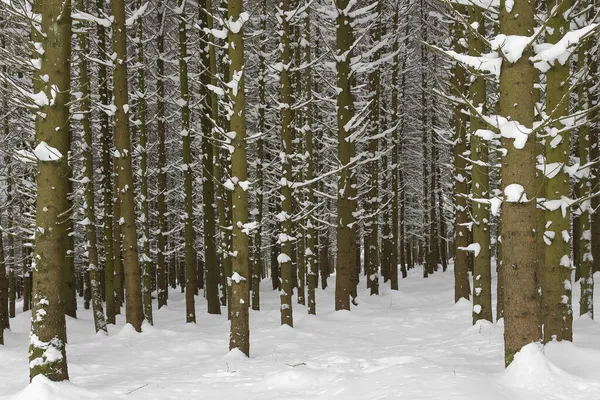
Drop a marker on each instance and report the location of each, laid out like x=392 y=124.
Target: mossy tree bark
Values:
x=161 y=128
x=584 y=187
x=47 y=346
x=93 y=268
x=397 y=231
x=311 y=232
x=141 y=110
x=346 y=224
x=556 y=273
x=239 y=280
x=208 y=160
x=106 y=170
x=258 y=264
x=371 y=224
x=461 y=233
x=519 y=217
x=131 y=266
x=480 y=186
x=186 y=138
x=285 y=217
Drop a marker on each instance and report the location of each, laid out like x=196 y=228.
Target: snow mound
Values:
x=462 y=302
x=531 y=368
x=128 y=331
x=42 y=388
x=151 y=330
x=235 y=354
x=537 y=377
x=480 y=327
x=295 y=379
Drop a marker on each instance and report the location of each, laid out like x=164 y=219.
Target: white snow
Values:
x=409 y=344
x=44 y=152
x=515 y=193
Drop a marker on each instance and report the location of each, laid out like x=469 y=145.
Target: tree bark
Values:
x=47 y=346
x=133 y=305
x=519 y=217
x=239 y=279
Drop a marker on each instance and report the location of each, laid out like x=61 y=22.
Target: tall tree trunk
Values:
x=285 y=217
x=106 y=170
x=555 y=276
x=186 y=138
x=12 y=281
x=47 y=347
x=161 y=205
x=93 y=267
x=346 y=261
x=519 y=245
x=117 y=249
x=585 y=260
x=482 y=276
x=427 y=220
x=4 y=319
x=208 y=160
x=311 y=232
x=258 y=266
x=239 y=280
x=146 y=261
x=69 y=288
x=372 y=201
x=131 y=266
x=461 y=234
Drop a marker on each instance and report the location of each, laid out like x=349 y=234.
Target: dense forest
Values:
x=157 y=150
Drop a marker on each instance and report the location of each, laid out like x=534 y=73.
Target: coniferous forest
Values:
x=317 y=199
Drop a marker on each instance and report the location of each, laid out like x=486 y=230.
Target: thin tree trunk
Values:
x=133 y=305
x=106 y=171
x=186 y=138
x=461 y=234
x=239 y=279
x=4 y=319
x=555 y=276
x=482 y=277
x=117 y=251
x=346 y=260
x=146 y=261
x=372 y=201
x=285 y=259
x=585 y=260
x=93 y=268
x=208 y=160
x=161 y=206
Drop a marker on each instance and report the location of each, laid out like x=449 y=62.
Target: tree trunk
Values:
x=208 y=160
x=519 y=244
x=106 y=171
x=133 y=305
x=346 y=261
x=555 y=276
x=285 y=259
x=161 y=205
x=461 y=234
x=186 y=138
x=239 y=279
x=482 y=276
x=585 y=260
x=93 y=268
x=47 y=353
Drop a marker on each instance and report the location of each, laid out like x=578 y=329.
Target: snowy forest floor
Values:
x=411 y=344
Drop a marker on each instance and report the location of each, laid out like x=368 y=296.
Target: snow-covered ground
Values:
x=411 y=344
